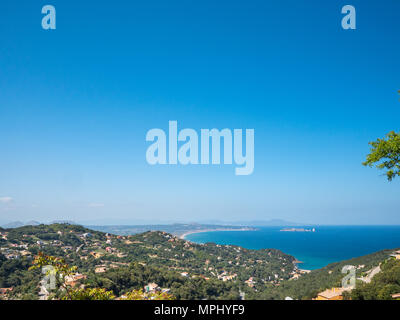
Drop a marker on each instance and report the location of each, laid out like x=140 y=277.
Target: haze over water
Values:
x=315 y=249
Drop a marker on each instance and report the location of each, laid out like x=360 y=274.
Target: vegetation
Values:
x=385 y=154
x=123 y=267
x=121 y=264
x=124 y=280
x=383 y=285
x=60 y=271
x=14 y=274
x=308 y=285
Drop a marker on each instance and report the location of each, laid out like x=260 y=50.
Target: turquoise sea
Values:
x=315 y=249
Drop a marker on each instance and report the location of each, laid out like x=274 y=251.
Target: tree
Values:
x=140 y=295
x=62 y=270
x=89 y=294
x=385 y=154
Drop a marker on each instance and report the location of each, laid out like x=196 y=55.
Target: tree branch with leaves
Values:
x=61 y=270
x=385 y=155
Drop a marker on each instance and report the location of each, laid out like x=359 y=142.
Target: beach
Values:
x=184 y=235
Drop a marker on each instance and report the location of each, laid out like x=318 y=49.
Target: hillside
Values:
x=308 y=285
x=385 y=285
x=98 y=255
x=187 y=270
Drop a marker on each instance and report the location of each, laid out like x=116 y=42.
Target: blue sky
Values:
x=76 y=103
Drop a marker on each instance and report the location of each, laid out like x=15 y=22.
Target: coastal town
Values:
x=99 y=256
x=98 y=252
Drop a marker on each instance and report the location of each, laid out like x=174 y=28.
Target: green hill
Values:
x=308 y=285
x=187 y=270
x=98 y=255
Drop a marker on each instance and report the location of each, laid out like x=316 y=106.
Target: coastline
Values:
x=184 y=235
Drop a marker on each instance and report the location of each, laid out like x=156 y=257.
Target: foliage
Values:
x=59 y=265
x=385 y=154
x=140 y=295
x=309 y=285
x=124 y=280
x=89 y=294
x=383 y=285
x=14 y=274
x=62 y=270
x=161 y=258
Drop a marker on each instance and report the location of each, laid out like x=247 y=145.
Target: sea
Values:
x=314 y=249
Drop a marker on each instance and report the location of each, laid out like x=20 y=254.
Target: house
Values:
x=151 y=287
x=331 y=294
x=73 y=280
x=100 y=269
x=25 y=253
x=229 y=277
x=4 y=291
x=396 y=255
x=295 y=276
x=396 y=296
x=87 y=235
x=250 y=282
x=96 y=255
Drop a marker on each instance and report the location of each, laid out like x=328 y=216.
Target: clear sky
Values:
x=76 y=104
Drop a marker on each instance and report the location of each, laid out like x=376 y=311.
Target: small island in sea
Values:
x=297 y=230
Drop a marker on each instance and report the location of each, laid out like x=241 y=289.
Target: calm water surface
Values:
x=316 y=249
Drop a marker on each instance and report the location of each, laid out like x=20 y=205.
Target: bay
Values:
x=315 y=249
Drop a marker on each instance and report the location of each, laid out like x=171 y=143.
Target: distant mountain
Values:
x=14 y=224
x=259 y=223
x=273 y=222
x=17 y=224
x=63 y=222
x=32 y=223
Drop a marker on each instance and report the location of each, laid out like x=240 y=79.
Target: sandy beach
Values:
x=212 y=230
